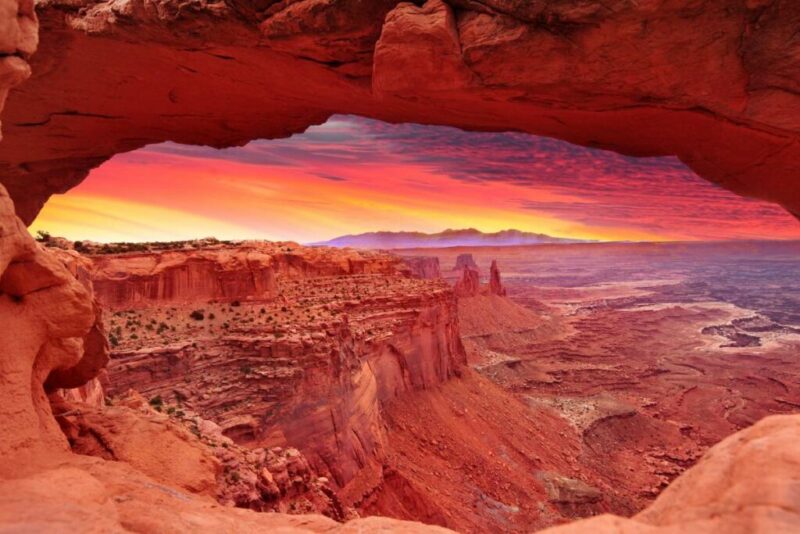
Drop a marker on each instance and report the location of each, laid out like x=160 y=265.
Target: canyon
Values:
x=354 y=400
x=713 y=83
x=343 y=388
x=640 y=347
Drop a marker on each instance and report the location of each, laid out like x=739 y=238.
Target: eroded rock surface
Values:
x=714 y=83
x=308 y=363
x=138 y=473
x=495 y=283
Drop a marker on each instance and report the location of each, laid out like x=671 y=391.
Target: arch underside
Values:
x=717 y=85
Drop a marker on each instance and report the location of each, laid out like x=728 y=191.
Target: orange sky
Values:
x=354 y=175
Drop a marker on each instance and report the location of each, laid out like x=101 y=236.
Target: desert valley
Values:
x=482 y=389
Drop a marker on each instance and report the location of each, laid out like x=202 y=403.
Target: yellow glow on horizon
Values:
x=103 y=219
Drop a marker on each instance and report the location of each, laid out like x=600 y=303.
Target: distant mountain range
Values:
x=469 y=237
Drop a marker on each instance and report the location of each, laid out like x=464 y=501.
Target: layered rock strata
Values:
x=47 y=314
x=245 y=270
x=308 y=365
x=426 y=267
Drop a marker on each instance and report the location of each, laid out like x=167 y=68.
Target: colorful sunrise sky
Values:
x=353 y=175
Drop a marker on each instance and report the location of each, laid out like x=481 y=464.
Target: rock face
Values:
x=308 y=364
x=426 y=267
x=221 y=272
x=744 y=484
x=464 y=261
x=469 y=285
x=46 y=315
x=714 y=83
x=495 y=285
x=47 y=337
x=737 y=487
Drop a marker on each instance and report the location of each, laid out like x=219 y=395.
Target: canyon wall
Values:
x=424 y=266
x=715 y=83
x=307 y=364
x=242 y=271
x=157 y=487
x=135 y=472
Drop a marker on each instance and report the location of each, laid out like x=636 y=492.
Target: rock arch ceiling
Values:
x=715 y=83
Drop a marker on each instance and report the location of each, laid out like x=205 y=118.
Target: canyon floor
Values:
x=650 y=352
x=352 y=383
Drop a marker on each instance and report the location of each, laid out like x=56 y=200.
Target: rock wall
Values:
x=243 y=271
x=49 y=339
x=426 y=267
x=47 y=317
x=464 y=261
x=469 y=285
x=495 y=283
x=314 y=373
x=715 y=83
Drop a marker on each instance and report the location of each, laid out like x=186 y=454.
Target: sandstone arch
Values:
x=715 y=83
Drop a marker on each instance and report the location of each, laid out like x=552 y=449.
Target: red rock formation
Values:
x=737 y=487
x=48 y=322
x=469 y=285
x=495 y=285
x=464 y=261
x=426 y=267
x=46 y=313
x=309 y=369
x=226 y=272
x=715 y=85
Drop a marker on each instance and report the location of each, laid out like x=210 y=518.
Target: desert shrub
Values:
x=197 y=315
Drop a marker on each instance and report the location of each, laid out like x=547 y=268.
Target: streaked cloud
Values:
x=353 y=175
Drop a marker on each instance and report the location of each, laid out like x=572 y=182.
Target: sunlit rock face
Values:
x=136 y=471
x=244 y=271
x=713 y=83
x=308 y=363
x=50 y=340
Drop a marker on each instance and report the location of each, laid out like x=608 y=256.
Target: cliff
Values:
x=464 y=261
x=309 y=367
x=249 y=270
x=469 y=285
x=426 y=267
x=141 y=474
x=495 y=283
x=736 y=487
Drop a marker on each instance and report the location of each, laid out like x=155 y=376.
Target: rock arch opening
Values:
x=352 y=175
x=640 y=314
